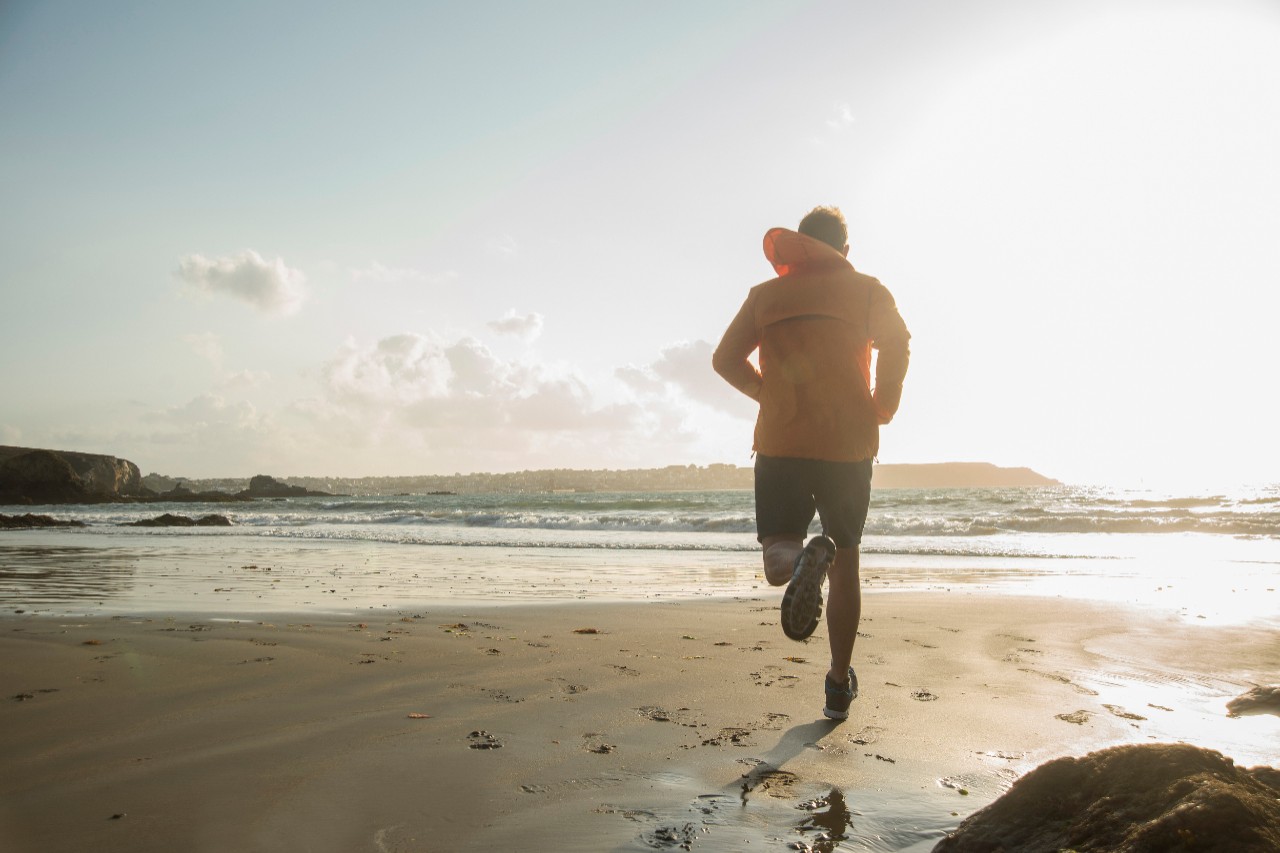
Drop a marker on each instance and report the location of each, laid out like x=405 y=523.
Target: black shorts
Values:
x=789 y=491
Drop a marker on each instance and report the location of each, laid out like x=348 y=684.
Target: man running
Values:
x=819 y=424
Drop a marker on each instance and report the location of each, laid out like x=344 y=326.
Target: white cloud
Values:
x=395 y=371
x=212 y=409
x=640 y=379
x=527 y=327
x=424 y=403
x=269 y=286
x=686 y=367
x=10 y=434
x=460 y=393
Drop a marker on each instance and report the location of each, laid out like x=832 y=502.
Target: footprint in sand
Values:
x=866 y=736
x=654 y=713
x=762 y=679
x=773 y=722
x=731 y=734
x=682 y=836
x=768 y=779
x=1061 y=679
x=566 y=687
x=600 y=748
x=1016 y=656
x=637 y=815
x=481 y=739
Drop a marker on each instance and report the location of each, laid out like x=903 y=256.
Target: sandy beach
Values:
x=585 y=726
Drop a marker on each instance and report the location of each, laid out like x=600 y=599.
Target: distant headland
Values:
x=944 y=475
x=37 y=476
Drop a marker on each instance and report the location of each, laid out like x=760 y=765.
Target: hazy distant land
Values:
x=670 y=478
x=36 y=476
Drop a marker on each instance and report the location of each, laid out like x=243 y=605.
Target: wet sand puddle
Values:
x=1158 y=701
x=772 y=809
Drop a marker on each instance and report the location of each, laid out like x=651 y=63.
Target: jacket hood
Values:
x=787 y=250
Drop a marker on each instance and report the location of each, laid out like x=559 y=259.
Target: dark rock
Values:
x=1145 y=798
x=1259 y=700
x=263 y=486
x=181 y=494
x=61 y=476
x=24 y=522
x=170 y=520
x=40 y=476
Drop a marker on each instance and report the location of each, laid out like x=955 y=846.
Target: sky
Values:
x=343 y=239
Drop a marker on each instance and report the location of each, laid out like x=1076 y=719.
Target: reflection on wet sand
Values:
x=830 y=827
x=37 y=577
x=87 y=573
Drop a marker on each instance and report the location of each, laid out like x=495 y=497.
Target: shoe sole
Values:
x=802 y=602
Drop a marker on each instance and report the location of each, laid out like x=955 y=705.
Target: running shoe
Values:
x=802 y=602
x=839 y=697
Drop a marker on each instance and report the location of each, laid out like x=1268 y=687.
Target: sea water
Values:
x=1214 y=555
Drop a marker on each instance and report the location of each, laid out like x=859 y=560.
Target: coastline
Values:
x=677 y=721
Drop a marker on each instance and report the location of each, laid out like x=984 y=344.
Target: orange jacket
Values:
x=815 y=325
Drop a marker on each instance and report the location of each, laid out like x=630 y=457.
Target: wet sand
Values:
x=668 y=725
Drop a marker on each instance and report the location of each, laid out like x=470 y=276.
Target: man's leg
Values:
x=784 y=509
x=844 y=612
x=780 y=554
x=844 y=500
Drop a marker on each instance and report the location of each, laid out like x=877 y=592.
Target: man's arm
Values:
x=889 y=335
x=730 y=358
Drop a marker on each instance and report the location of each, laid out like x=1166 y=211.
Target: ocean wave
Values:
x=742 y=545
x=953 y=514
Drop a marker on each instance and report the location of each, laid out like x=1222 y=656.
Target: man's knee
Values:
x=779 y=557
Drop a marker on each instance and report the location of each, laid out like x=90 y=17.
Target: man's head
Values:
x=826 y=224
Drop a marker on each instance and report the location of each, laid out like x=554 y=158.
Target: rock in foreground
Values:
x=1147 y=798
x=1259 y=700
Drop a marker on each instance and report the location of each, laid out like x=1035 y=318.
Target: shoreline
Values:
x=691 y=716
x=87 y=573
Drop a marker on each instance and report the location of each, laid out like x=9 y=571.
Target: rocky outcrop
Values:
x=1259 y=700
x=1142 y=798
x=263 y=486
x=169 y=520
x=31 y=476
x=29 y=521
x=181 y=494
